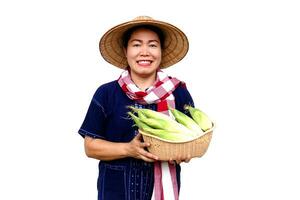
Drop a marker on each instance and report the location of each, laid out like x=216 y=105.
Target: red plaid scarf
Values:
x=165 y=182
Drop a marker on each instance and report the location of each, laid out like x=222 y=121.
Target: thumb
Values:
x=138 y=137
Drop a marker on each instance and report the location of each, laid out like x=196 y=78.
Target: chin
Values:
x=146 y=73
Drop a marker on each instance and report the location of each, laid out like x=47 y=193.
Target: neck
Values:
x=143 y=82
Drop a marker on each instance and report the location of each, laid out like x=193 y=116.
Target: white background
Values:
x=241 y=70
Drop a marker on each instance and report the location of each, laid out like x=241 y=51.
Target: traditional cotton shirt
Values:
x=107 y=118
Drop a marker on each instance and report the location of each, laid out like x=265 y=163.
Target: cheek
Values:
x=158 y=55
x=131 y=57
x=131 y=52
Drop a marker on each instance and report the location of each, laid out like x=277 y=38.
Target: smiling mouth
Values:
x=144 y=62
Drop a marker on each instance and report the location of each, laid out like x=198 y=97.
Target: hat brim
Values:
x=175 y=45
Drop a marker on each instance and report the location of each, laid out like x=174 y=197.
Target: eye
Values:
x=152 y=45
x=136 y=45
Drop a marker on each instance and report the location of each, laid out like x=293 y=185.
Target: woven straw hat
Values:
x=175 y=44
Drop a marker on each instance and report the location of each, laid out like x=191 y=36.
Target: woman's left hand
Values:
x=180 y=160
x=136 y=149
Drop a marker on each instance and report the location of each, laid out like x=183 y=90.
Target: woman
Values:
x=142 y=47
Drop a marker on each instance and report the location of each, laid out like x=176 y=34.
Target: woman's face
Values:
x=143 y=53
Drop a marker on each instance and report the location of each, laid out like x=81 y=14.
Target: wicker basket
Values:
x=167 y=150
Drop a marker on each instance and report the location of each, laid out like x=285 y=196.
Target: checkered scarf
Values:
x=165 y=182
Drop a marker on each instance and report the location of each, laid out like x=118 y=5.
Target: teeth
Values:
x=144 y=62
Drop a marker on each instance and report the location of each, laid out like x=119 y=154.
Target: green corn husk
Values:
x=161 y=125
x=186 y=120
x=167 y=135
x=199 y=117
x=150 y=113
x=159 y=120
x=154 y=123
x=141 y=115
x=137 y=121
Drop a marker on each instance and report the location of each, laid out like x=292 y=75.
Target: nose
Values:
x=144 y=51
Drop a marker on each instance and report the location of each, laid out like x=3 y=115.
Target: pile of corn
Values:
x=178 y=128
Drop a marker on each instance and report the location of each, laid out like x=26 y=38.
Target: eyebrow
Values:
x=137 y=40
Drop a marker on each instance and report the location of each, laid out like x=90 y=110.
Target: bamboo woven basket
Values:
x=167 y=150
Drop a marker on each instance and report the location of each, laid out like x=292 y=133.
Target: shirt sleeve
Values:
x=182 y=98
x=94 y=121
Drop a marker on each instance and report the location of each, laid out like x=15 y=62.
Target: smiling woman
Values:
x=143 y=52
x=141 y=47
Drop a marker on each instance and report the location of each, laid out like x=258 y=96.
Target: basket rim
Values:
x=179 y=142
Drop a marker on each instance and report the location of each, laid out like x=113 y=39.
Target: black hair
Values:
x=158 y=31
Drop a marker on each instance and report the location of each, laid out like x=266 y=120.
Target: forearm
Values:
x=104 y=150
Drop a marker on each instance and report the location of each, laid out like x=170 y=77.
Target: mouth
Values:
x=144 y=62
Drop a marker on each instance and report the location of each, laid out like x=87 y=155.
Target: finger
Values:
x=178 y=161
x=147 y=159
x=138 y=136
x=149 y=155
x=144 y=144
x=188 y=159
x=171 y=161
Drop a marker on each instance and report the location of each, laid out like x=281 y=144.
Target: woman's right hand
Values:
x=136 y=149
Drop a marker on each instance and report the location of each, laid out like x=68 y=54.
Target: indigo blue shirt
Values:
x=107 y=118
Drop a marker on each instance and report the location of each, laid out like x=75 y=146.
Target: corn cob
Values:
x=150 y=113
x=199 y=117
x=186 y=121
x=167 y=135
x=137 y=121
x=161 y=121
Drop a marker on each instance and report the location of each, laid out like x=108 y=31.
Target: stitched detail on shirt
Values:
x=100 y=106
x=87 y=133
